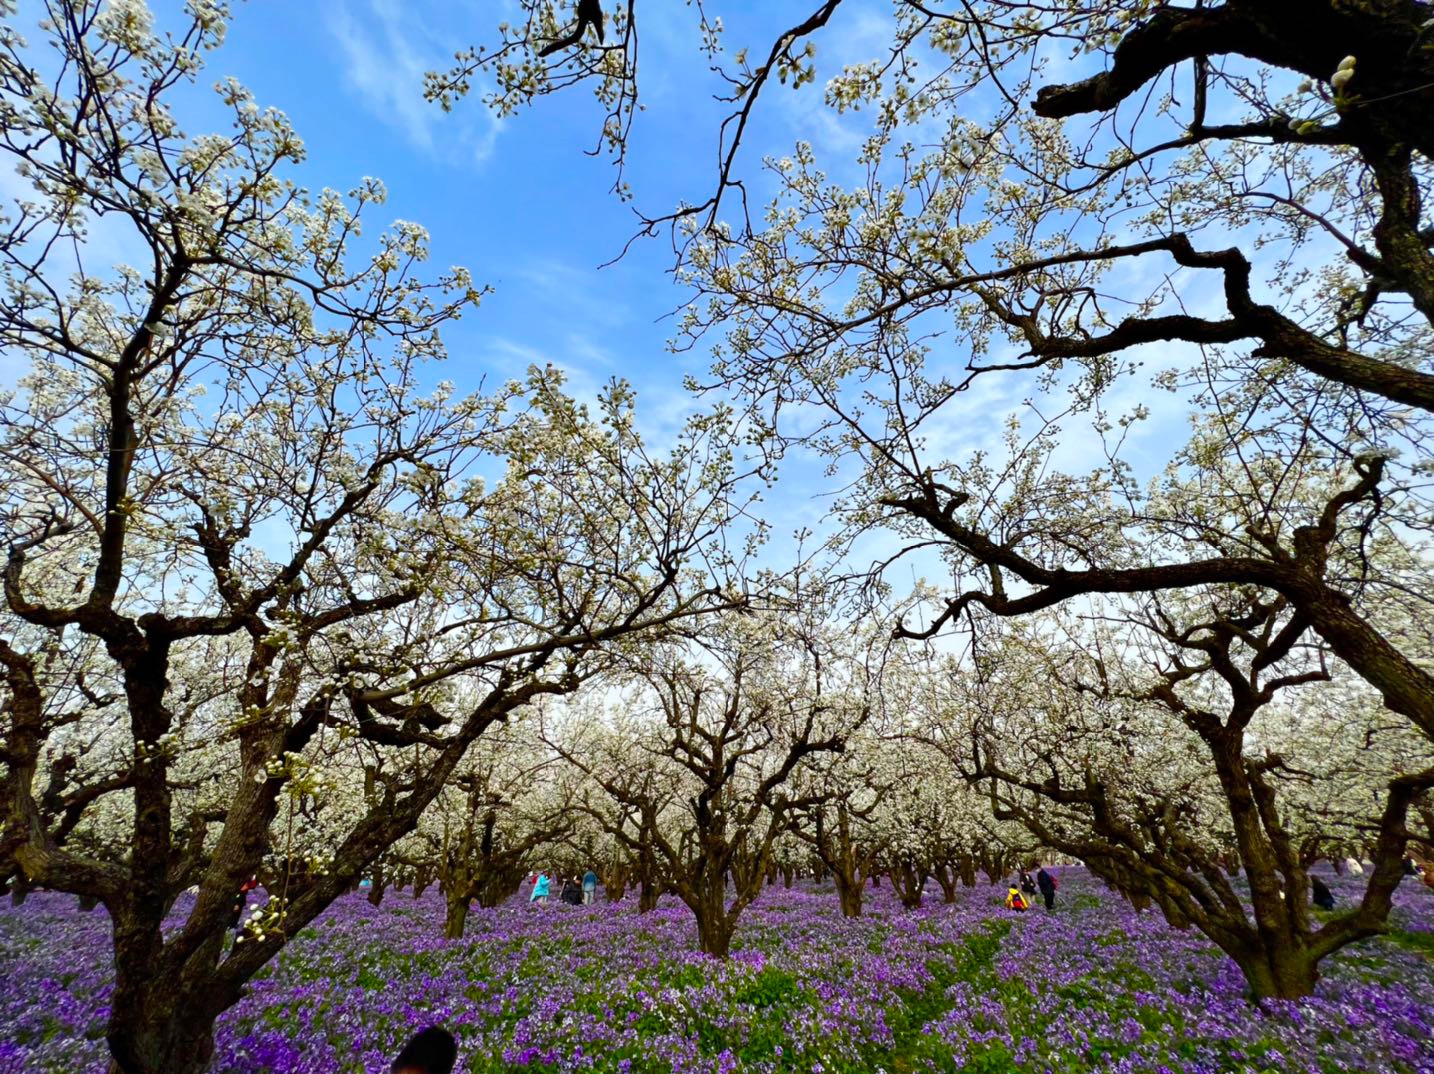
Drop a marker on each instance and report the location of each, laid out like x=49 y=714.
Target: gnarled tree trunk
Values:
x=946 y=877
x=615 y=879
x=907 y=879
x=378 y=885
x=455 y=917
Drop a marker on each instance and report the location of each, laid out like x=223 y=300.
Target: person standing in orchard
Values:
x=1047 y=883
x=240 y=899
x=1320 y=894
x=589 y=887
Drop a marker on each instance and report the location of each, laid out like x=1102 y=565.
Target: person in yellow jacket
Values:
x=1016 y=901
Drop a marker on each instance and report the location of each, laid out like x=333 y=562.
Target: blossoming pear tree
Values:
x=509 y=806
x=843 y=792
x=250 y=535
x=1234 y=192
x=712 y=772
x=1003 y=251
x=1201 y=746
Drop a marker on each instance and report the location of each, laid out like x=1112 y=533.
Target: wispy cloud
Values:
x=386 y=51
x=511 y=358
x=583 y=294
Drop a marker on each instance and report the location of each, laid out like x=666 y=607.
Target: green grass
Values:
x=1420 y=942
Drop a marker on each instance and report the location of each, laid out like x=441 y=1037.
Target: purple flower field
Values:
x=1094 y=987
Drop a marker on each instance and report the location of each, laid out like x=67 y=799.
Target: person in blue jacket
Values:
x=589 y=887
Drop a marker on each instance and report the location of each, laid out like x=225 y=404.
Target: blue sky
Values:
x=518 y=202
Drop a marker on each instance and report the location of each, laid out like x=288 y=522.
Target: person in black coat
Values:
x=572 y=892
x=1047 y=883
x=236 y=910
x=1320 y=894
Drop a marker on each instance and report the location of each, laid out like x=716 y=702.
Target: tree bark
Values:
x=159 y=1025
x=614 y=882
x=906 y=879
x=498 y=885
x=715 y=924
x=162 y=1043
x=947 y=878
x=968 y=872
x=714 y=936
x=456 y=916
x=1280 y=972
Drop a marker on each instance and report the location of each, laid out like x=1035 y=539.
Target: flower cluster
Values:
x=958 y=987
x=267 y=917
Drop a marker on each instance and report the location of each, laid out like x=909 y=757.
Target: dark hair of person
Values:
x=431 y=1051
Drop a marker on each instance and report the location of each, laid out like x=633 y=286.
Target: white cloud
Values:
x=595 y=299
x=385 y=61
